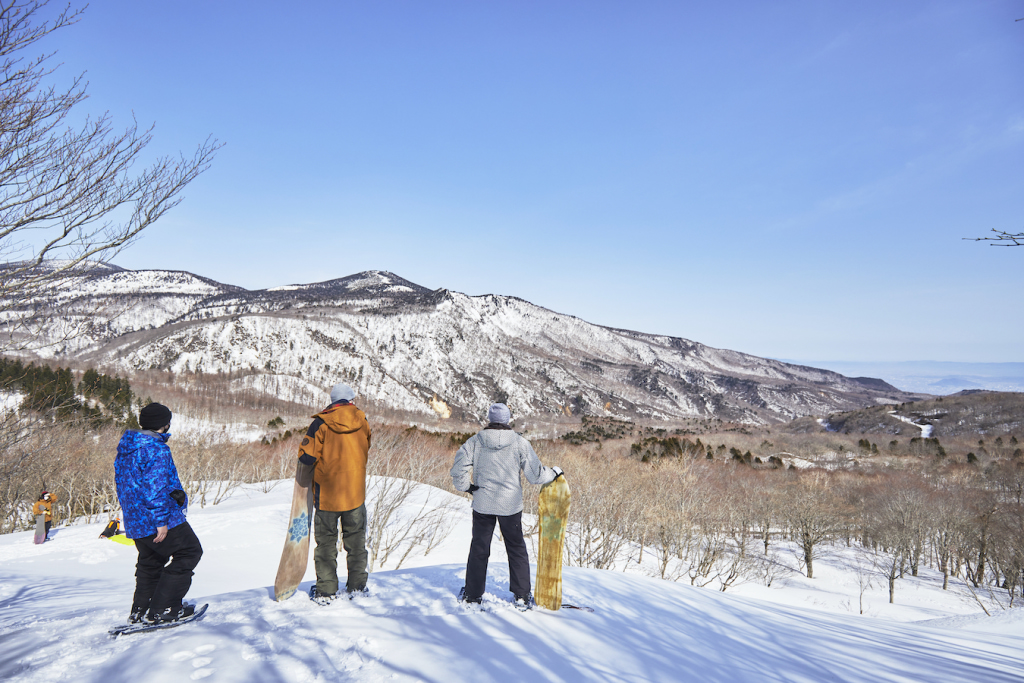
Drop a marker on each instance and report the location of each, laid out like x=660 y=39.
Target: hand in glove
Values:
x=473 y=487
x=558 y=472
x=179 y=497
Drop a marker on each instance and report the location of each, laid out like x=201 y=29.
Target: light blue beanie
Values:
x=342 y=392
x=499 y=412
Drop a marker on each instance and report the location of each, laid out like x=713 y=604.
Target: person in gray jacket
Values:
x=488 y=467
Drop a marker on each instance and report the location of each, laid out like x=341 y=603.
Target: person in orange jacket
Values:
x=44 y=506
x=333 y=455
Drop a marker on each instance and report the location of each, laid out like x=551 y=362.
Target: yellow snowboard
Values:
x=295 y=556
x=553 y=511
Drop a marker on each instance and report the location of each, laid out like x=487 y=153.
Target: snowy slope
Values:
x=57 y=600
x=410 y=348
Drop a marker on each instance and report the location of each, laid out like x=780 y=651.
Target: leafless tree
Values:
x=862 y=566
x=69 y=193
x=949 y=525
x=897 y=514
x=402 y=515
x=602 y=520
x=813 y=513
x=982 y=507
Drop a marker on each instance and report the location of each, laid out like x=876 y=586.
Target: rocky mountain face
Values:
x=428 y=352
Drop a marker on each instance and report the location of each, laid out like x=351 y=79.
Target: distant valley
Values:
x=933 y=377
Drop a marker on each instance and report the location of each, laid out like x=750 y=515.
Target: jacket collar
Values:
x=156 y=435
x=342 y=402
x=497 y=425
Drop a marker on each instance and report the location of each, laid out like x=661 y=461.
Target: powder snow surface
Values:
x=58 y=600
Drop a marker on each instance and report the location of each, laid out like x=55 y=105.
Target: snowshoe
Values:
x=322 y=599
x=363 y=592
x=147 y=625
x=465 y=598
x=524 y=603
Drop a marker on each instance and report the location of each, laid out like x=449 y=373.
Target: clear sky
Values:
x=789 y=179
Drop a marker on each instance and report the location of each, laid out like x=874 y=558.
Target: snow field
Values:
x=57 y=600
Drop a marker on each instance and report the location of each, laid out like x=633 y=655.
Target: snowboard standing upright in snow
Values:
x=40 y=529
x=552 y=512
x=295 y=555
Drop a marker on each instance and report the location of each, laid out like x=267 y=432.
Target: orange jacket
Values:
x=44 y=507
x=336 y=445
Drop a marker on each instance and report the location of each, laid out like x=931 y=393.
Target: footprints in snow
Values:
x=198 y=659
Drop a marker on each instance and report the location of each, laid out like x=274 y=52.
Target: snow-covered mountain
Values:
x=418 y=350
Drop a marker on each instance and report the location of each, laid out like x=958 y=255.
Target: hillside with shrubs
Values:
x=711 y=502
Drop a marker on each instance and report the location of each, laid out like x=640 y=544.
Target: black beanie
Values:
x=154 y=416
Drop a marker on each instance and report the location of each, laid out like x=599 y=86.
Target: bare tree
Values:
x=69 y=195
x=949 y=529
x=862 y=566
x=813 y=514
x=403 y=516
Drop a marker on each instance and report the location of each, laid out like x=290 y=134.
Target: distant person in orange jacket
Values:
x=45 y=506
x=333 y=456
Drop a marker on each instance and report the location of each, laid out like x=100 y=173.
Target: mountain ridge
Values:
x=425 y=351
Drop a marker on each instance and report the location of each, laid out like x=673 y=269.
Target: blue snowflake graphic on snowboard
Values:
x=299 y=528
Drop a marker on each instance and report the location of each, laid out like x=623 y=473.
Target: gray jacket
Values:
x=493 y=460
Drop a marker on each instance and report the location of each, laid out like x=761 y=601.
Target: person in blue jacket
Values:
x=153 y=504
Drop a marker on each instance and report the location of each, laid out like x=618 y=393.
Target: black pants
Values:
x=163 y=573
x=480 y=552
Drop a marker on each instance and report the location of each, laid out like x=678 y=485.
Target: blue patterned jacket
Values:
x=145 y=476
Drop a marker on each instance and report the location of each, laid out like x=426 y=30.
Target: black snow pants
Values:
x=163 y=573
x=480 y=552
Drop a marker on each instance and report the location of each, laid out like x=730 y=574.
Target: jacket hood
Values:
x=342 y=419
x=497 y=438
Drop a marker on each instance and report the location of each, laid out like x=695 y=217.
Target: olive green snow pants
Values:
x=325 y=557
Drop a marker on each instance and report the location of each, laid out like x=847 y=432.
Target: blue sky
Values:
x=789 y=179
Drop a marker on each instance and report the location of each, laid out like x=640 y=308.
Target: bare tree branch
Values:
x=69 y=195
x=1002 y=239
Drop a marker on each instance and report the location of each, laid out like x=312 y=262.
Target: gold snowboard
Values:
x=295 y=556
x=553 y=511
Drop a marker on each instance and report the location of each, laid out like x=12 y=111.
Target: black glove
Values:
x=179 y=497
x=473 y=487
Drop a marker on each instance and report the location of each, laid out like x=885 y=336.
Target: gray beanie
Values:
x=499 y=412
x=342 y=392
